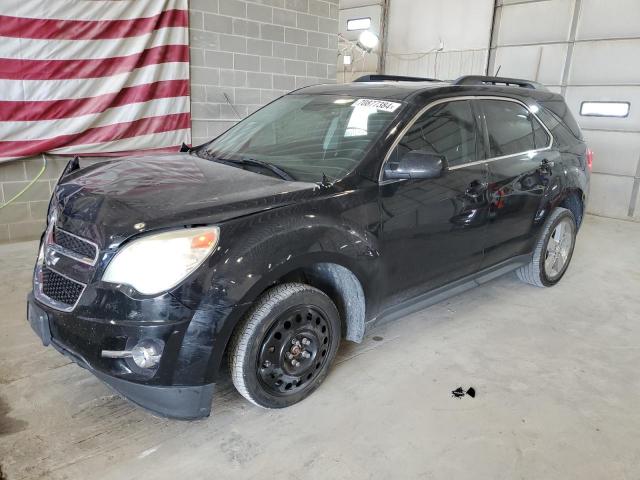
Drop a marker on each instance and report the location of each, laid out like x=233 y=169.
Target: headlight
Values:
x=156 y=263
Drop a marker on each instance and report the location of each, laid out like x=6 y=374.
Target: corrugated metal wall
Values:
x=432 y=38
x=589 y=50
x=438 y=38
x=361 y=63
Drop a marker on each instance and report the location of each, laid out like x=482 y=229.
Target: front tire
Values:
x=281 y=351
x=553 y=251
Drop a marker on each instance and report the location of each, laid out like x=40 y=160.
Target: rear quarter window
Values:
x=563 y=136
x=560 y=110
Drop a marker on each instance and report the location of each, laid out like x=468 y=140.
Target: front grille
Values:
x=60 y=288
x=74 y=244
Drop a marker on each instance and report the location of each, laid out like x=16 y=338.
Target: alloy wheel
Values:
x=558 y=249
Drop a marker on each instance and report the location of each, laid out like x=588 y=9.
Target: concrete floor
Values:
x=556 y=374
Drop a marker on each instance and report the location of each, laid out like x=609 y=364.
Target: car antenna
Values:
x=226 y=97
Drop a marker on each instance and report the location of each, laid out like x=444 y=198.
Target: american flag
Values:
x=93 y=76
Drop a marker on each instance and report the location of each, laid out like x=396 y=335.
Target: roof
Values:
x=378 y=90
x=394 y=87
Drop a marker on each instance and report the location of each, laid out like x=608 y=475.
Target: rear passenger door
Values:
x=519 y=162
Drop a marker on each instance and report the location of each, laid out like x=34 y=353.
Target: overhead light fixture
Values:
x=605 y=109
x=368 y=40
x=359 y=24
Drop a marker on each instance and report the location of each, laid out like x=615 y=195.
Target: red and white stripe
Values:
x=93 y=77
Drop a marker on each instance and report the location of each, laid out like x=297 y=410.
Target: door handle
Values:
x=476 y=189
x=546 y=166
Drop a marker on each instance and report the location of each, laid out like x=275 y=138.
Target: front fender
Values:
x=253 y=254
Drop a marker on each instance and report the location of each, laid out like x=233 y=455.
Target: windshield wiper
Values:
x=247 y=161
x=269 y=166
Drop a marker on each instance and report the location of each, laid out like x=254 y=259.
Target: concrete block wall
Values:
x=247 y=53
x=24 y=219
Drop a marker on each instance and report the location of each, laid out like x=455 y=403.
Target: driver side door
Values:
x=433 y=230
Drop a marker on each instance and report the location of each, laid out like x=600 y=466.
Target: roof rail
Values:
x=394 y=78
x=484 y=80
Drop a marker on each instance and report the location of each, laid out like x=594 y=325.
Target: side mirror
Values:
x=416 y=164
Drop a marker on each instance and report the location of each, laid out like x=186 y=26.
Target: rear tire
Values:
x=553 y=251
x=282 y=349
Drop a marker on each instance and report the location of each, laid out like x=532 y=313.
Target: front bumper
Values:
x=82 y=340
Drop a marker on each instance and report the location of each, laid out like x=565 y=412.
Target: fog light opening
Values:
x=147 y=353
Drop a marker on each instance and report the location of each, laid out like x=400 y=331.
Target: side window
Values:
x=447 y=129
x=512 y=128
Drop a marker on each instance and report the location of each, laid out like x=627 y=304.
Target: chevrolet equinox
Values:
x=330 y=209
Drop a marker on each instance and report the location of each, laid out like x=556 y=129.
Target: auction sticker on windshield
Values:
x=377 y=104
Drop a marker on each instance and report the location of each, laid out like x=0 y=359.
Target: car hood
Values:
x=110 y=201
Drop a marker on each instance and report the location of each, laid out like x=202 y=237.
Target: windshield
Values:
x=307 y=136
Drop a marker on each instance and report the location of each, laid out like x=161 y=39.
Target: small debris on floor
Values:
x=377 y=338
x=460 y=392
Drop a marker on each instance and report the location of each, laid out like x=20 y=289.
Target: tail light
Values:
x=589 y=159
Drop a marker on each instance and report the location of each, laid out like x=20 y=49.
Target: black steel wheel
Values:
x=282 y=351
x=294 y=350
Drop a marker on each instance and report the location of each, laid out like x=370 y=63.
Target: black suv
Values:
x=328 y=210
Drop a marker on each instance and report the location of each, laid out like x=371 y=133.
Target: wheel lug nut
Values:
x=295 y=363
x=306 y=341
x=306 y=354
x=289 y=355
x=266 y=364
